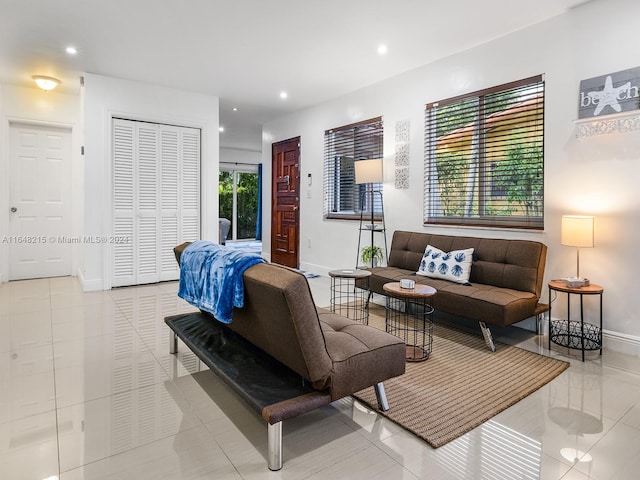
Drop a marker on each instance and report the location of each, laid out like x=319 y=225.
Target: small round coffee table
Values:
x=350 y=293
x=410 y=317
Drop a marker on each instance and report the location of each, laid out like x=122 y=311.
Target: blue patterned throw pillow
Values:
x=454 y=266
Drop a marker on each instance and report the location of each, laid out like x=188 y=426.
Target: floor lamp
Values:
x=369 y=172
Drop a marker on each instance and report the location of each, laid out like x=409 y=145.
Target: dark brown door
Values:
x=285 y=202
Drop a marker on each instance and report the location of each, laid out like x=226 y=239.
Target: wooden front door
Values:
x=285 y=202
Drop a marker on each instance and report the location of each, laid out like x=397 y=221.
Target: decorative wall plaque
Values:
x=607 y=94
x=402 y=154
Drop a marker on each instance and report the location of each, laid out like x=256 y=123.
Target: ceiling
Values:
x=248 y=51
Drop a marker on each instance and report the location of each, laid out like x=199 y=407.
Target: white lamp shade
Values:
x=368 y=171
x=578 y=231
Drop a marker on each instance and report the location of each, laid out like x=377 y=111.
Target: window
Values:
x=484 y=162
x=342 y=147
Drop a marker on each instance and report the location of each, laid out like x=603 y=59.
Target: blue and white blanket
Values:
x=211 y=277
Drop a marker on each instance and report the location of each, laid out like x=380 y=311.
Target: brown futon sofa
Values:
x=504 y=286
x=283 y=355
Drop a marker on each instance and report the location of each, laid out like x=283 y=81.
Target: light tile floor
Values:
x=88 y=390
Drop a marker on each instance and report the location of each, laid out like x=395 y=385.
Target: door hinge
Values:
x=82 y=150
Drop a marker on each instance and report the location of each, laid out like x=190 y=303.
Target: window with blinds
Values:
x=343 y=146
x=484 y=157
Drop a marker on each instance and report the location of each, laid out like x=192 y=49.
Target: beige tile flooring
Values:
x=88 y=390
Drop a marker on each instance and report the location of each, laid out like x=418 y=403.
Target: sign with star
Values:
x=613 y=93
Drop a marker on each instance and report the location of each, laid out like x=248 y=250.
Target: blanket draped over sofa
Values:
x=211 y=277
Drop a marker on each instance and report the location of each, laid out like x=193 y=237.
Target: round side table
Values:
x=347 y=299
x=410 y=317
x=571 y=333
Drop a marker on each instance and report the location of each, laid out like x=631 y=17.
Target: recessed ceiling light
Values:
x=283 y=94
x=382 y=49
x=71 y=50
x=235 y=109
x=221 y=129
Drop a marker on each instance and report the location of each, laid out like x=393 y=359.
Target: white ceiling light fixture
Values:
x=221 y=129
x=382 y=49
x=71 y=50
x=46 y=83
x=283 y=94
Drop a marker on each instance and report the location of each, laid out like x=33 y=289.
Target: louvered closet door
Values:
x=156 y=198
x=124 y=204
x=180 y=187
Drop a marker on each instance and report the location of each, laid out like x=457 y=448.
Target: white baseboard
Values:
x=90 y=285
x=318 y=269
x=621 y=342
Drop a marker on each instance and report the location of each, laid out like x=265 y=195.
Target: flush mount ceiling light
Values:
x=46 y=83
x=71 y=50
x=382 y=49
x=283 y=94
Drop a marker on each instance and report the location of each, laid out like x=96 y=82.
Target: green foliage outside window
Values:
x=247 y=197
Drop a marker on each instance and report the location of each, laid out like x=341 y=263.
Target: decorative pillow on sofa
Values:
x=454 y=266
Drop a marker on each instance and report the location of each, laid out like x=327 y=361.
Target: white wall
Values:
x=596 y=175
x=35 y=106
x=240 y=155
x=106 y=97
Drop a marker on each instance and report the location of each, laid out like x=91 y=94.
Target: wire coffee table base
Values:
x=410 y=317
x=350 y=294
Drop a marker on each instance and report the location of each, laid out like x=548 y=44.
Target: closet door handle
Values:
x=14 y=209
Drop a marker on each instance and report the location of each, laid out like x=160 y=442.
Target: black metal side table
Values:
x=571 y=333
x=410 y=317
x=347 y=299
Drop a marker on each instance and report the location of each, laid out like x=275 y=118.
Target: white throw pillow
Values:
x=454 y=266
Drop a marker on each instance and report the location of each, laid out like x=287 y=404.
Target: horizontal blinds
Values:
x=342 y=147
x=484 y=162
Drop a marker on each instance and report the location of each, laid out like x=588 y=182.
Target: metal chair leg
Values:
x=275 y=446
x=486 y=333
x=381 y=396
x=173 y=343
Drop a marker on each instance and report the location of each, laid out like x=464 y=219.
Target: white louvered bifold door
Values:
x=123 y=202
x=190 y=185
x=147 y=250
x=180 y=187
x=157 y=171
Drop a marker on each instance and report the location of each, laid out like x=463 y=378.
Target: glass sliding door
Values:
x=238 y=195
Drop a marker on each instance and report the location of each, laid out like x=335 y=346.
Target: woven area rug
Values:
x=461 y=385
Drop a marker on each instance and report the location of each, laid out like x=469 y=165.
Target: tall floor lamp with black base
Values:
x=369 y=173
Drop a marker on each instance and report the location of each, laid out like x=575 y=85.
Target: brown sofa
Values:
x=505 y=283
x=328 y=355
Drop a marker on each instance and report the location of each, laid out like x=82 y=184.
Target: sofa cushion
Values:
x=495 y=305
x=515 y=264
x=454 y=266
x=280 y=318
x=361 y=355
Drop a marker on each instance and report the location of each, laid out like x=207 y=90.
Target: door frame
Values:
x=77 y=186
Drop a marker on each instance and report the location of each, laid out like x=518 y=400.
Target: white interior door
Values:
x=40 y=196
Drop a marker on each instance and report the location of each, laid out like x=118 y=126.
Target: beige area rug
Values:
x=461 y=385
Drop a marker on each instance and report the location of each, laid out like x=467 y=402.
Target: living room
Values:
x=590 y=175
